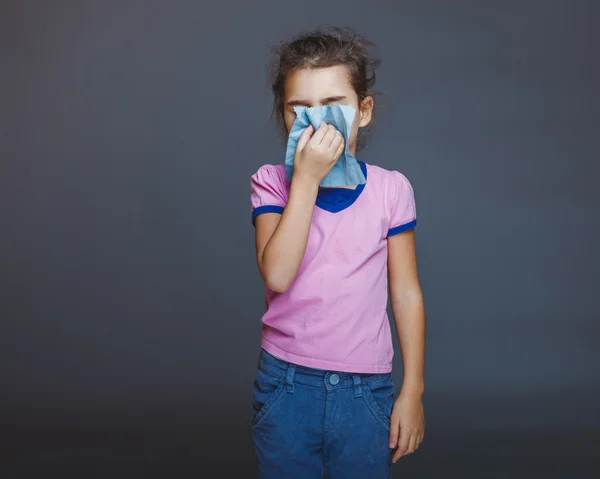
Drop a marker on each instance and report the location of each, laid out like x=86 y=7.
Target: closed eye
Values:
x=324 y=101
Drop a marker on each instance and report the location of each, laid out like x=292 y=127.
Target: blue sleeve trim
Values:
x=266 y=209
x=405 y=227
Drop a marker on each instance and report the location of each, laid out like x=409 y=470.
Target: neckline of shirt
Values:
x=334 y=200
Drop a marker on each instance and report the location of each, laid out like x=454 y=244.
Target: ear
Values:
x=366 y=111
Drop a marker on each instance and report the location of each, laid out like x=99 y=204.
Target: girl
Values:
x=323 y=393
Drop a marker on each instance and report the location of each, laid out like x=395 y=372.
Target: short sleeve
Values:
x=403 y=213
x=267 y=192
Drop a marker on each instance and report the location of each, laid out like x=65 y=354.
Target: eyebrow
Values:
x=323 y=101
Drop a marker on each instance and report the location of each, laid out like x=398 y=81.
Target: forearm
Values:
x=409 y=316
x=285 y=250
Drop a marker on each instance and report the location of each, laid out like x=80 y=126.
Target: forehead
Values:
x=316 y=83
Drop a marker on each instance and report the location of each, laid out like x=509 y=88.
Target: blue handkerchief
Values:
x=347 y=170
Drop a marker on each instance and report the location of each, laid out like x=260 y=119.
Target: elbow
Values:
x=276 y=281
x=276 y=276
x=277 y=285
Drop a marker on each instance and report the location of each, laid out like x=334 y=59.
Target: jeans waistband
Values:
x=296 y=373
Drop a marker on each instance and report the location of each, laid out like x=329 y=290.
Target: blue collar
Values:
x=338 y=199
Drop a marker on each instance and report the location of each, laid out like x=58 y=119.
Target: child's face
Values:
x=325 y=86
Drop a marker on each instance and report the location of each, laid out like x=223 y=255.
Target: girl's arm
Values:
x=281 y=239
x=408 y=308
x=407 y=429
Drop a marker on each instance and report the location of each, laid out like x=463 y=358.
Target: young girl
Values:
x=323 y=393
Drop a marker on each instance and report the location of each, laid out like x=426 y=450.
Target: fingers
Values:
x=340 y=149
x=325 y=135
x=408 y=444
x=320 y=133
x=337 y=140
x=413 y=444
x=336 y=147
x=397 y=455
x=329 y=136
x=402 y=445
x=304 y=137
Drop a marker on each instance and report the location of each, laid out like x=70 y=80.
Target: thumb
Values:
x=304 y=137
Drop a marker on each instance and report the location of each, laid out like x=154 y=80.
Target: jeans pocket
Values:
x=379 y=397
x=267 y=391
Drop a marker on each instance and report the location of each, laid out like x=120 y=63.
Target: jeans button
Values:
x=334 y=379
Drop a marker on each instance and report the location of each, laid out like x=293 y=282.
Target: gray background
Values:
x=130 y=298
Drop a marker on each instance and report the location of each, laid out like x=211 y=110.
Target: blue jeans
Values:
x=309 y=420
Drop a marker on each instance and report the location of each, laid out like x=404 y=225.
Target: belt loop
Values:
x=357 y=388
x=289 y=377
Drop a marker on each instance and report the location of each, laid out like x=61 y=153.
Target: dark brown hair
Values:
x=324 y=47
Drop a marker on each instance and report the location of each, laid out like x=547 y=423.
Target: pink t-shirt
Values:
x=334 y=315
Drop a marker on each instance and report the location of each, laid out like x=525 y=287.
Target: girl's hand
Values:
x=317 y=153
x=407 y=428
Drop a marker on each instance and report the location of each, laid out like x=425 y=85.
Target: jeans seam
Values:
x=268 y=405
x=374 y=408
